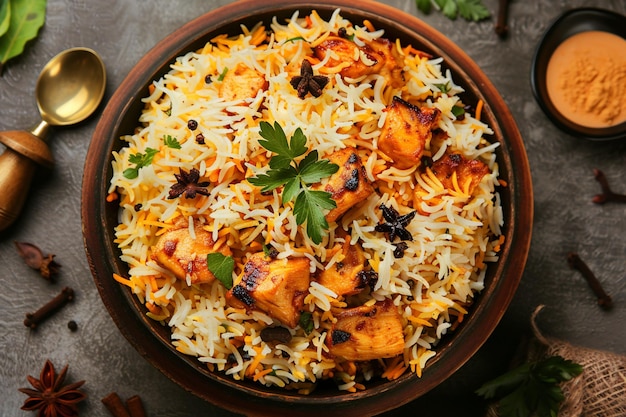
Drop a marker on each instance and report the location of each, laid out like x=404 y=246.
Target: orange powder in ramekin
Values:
x=586 y=79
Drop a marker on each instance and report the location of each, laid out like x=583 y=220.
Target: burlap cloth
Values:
x=599 y=391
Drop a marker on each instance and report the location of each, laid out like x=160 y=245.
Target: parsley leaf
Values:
x=531 y=388
x=140 y=160
x=222 y=267
x=171 y=142
x=471 y=10
x=286 y=171
x=306 y=322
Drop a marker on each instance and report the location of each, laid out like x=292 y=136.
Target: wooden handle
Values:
x=17 y=167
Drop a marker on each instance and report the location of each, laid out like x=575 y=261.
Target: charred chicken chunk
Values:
x=274 y=286
x=407 y=132
x=183 y=255
x=241 y=83
x=349 y=185
x=344 y=278
x=367 y=332
x=469 y=172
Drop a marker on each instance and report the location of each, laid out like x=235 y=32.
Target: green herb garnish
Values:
x=171 y=142
x=457 y=111
x=297 y=38
x=222 y=75
x=140 y=160
x=471 y=10
x=306 y=322
x=531 y=388
x=444 y=88
x=222 y=267
x=295 y=176
x=20 y=22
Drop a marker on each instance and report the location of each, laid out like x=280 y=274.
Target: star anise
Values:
x=395 y=225
x=188 y=184
x=50 y=397
x=306 y=82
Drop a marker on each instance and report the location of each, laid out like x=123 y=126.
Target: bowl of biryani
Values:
x=304 y=207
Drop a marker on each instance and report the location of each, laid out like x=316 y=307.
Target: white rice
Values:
x=432 y=285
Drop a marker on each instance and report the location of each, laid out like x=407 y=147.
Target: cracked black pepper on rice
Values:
x=371 y=233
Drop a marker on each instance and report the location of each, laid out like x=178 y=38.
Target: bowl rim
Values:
x=567 y=24
x=136 y=327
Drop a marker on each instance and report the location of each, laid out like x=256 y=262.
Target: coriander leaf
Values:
x=444 y=88
x=306 y=322
x=473 y=10
x=292 y=188
x=5 y=16
x=276 y=141
x=424 y=5
x=308 y=208
x=448 y=8
x=26 y=17
x=457 y=111
x=274 y=178
x=171 y=142
x=531 y=388
x=140 y=160
x=222 y=267
x=317 y=170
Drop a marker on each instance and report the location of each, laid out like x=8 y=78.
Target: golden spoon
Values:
x=69 y=89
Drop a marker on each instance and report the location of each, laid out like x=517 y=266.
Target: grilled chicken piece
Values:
x=393 y=62
x=367 y=332
x=343 y=278
x=183 y=255
x=376 y=57
x=407 y=132
x=275 y=286
x=349 y=185
x=242 y=82
x=469 y=172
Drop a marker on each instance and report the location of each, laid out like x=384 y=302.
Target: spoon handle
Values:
x=24 y=151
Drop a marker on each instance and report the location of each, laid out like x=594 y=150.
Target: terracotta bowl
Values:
x=153 y=340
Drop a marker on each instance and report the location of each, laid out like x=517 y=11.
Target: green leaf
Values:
x=140 y=160
x=276 y=141
x=317 y=170
x=424 y=6
x=171 y=142
x=306 y=322
x=274 y=178
x=473 y=10
x=308 y=209
x=25 y=20
x=5 y=16
x=222 y=267
x=531 y=388
x=457 y=111
x=448 y=8
x=292 y=188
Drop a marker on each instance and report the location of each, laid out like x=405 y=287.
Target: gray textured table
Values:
x=122 y=31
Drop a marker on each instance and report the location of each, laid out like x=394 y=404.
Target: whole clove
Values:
x=34 y=258
x=607 y=194
x=502 y=27
x=34 y=319
x=604 y=300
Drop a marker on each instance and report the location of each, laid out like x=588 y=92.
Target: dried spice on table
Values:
x=604 y=300
x=33 y=256
x=115 y=406
x=32 y=320
x=607 y=194
x=49 y=397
